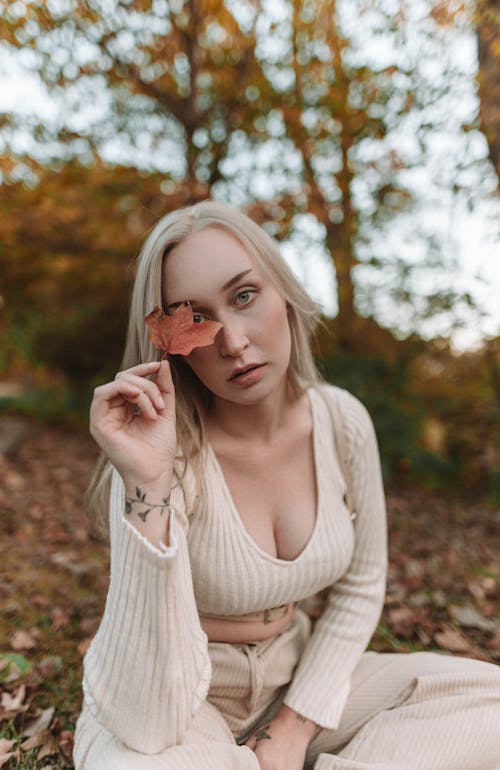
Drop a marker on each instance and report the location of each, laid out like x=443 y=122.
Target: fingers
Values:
x=164 y=379
x=152 y=397
x=144 y=385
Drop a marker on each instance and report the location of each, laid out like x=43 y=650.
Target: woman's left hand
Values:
x=282 y=743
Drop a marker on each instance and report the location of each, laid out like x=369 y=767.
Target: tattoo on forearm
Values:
x=262 y=734
x=141 y=500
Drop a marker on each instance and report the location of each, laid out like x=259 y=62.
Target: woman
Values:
x=227 y=508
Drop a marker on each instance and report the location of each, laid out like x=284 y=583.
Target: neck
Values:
x=261 y=421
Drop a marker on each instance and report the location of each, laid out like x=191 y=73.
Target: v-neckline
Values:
x=234 y=510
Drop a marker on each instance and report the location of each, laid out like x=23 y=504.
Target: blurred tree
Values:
x=65 y=248
x=298 y=105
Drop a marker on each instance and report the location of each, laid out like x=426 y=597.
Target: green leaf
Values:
x=13 y=665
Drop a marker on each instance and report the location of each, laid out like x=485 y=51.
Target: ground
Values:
x=443 y=589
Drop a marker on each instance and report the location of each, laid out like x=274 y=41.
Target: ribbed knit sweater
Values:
x=148 y=668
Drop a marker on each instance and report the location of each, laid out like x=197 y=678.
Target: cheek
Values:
x=201 y=362
x=277 y=325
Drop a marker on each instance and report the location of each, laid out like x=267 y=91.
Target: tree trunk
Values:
x=488 y=37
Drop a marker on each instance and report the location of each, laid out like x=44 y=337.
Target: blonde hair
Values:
x=193 y=399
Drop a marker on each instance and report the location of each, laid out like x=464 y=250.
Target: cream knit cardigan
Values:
x=148 y=670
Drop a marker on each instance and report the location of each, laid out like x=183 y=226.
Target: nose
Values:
x=232 y=340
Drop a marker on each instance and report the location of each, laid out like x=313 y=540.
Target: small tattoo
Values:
x=301 y=719
x=141 y=500
x=262 y=734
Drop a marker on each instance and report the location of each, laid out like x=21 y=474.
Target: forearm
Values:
x=143 y=682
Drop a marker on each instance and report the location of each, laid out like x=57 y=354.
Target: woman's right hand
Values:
x=133 y=421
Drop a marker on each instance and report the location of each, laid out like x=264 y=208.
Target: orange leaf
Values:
x=177 y=333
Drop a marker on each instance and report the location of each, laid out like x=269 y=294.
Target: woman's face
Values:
x=223 y=282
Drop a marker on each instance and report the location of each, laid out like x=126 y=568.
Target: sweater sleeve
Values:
x=147 y=670
x=321 y=683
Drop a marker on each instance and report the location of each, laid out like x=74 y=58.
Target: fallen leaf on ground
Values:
x=494 y=642
x=452 y=640
x=5 y=752
x=5 y=757
x=60 y=618
x=177 y=333
x=84 y=645
x=36 y=740
x=14 y=703
x=22 y=640
x=6 y=744
x=66 y=743
x=48 y=748
x=468 y=616
x=42 y=721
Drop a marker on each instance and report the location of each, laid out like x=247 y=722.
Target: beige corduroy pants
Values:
x=419 y=711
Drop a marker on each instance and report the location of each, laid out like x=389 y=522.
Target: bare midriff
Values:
x=245 y=631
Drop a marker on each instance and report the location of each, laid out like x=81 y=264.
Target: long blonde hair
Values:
x=193 y=399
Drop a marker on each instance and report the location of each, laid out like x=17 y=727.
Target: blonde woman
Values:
x=239 y=484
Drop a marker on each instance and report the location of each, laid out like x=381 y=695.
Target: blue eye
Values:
x=245 y=296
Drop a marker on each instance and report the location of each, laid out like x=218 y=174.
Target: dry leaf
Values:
x=177 y=333
x=5 y=757
x=36 y=740
x=5 y=750
x=66 y=743
x=494 y=643
x=452 y=640
x=14 y=702
x=50 y=747
x=60 y=618
x=469 y=617
x=42 y=721
x=22 y=640
x=6 y=744
x=84 y=645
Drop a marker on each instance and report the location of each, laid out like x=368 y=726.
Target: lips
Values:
x=243 y=370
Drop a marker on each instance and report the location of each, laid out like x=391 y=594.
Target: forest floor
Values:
x=443 y=589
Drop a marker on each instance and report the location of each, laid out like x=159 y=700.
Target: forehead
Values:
x=203 y=263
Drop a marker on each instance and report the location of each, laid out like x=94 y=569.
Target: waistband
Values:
x=266 y=616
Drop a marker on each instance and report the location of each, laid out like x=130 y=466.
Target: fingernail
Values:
x=160 y=403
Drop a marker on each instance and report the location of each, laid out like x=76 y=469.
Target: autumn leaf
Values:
x=5 y=750
x=14 y=703
x=452 y=640
x=177 y=333
x=41 y=722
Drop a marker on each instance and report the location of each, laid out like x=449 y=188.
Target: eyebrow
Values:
x=226 y=286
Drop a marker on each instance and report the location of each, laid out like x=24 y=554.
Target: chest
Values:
x=275 y=494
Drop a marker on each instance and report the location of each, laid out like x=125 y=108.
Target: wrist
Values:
x=158 y=487
x=147 y=507
x=301 y=724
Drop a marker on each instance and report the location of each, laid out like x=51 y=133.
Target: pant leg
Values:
x=419 y=711
x=208 y=745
